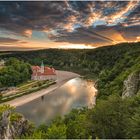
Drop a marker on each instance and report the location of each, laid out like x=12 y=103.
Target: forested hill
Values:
x=92 y=61
x=111 y=65
x=117 y=71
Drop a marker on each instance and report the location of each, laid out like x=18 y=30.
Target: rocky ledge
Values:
x=13 y=125
x=131 y=85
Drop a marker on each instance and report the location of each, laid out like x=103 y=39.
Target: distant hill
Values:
x=110 y=64
x=117 y=72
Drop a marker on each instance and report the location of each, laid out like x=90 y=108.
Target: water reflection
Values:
x=42 y=98
x=75 y=93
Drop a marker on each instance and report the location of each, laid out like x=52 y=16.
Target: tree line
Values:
x=14 y=72
x=112 y=117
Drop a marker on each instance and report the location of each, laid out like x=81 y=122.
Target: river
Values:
x=76 y=93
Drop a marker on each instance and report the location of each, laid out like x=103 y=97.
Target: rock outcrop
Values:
x=12 y=129
x=131 y=85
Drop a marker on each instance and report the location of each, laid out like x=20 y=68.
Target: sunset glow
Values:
x=76 y=46
x=68 y=25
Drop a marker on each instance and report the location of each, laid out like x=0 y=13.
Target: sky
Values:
x=67 y=24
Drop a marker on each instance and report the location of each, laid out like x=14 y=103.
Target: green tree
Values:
x=14 y=73
x=56 y=131
x=78 y=128
x=77 y=124
x=109 y=118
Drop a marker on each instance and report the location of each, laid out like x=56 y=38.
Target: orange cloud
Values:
x=71 y=21
x=114 y=35
x=92 y=18
x=28 y=33
x=120 y=14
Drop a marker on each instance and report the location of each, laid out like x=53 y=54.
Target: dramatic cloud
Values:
x=134 y=17
x=99 y=35
x=94 y=23
x=7 y=40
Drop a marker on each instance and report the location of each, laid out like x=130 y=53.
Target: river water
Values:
x=76 y=93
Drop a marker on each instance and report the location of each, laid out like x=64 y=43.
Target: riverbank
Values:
x=27 y=88
x=62 y=77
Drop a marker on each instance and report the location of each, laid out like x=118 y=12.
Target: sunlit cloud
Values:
x=28 y=33
x=122 y=14
x=138 y=38
x=68 y=24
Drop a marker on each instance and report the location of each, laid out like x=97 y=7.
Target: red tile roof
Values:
x=47 y=71
x=35 y=67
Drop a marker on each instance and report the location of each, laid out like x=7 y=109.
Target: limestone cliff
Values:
x=12 y=125
x=131 y=85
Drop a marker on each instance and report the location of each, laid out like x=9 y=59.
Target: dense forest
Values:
x=14 y=72
x=110 y=66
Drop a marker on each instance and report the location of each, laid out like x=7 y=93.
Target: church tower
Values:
x=42 y=67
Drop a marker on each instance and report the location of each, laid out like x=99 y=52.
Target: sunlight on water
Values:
x=73 y=94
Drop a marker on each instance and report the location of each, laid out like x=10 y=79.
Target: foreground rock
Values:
x=131 y=85
x=13 y=125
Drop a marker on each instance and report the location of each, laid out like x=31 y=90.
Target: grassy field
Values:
x=27 y=88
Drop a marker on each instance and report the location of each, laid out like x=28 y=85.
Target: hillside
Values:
x=111 y=65
x=117 y=72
